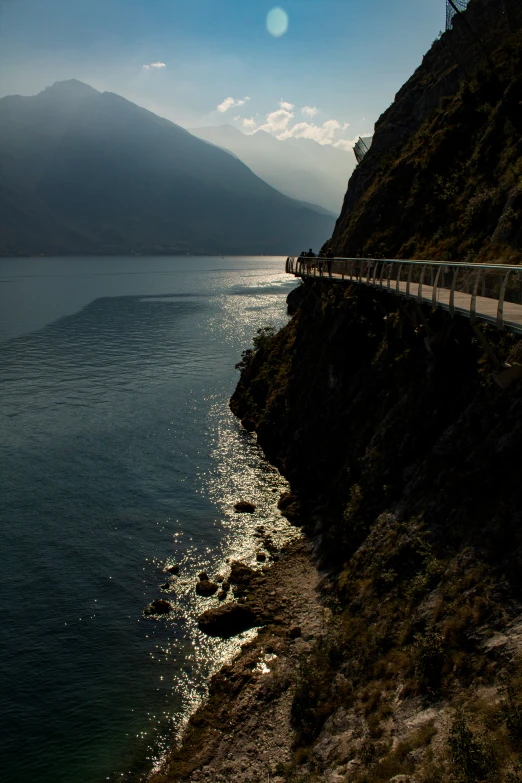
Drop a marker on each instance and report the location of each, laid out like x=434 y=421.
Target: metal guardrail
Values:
x=488 y=292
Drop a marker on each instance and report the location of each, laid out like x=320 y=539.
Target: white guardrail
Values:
x=488 y=292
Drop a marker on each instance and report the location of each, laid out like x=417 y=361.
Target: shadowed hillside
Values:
x=300 y=168
x=443 y=178
x=90 y=172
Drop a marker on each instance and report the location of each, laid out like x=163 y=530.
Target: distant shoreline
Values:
x=141 y=255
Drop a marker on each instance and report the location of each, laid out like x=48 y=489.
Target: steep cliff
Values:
x=443 y=178
x=401 y=450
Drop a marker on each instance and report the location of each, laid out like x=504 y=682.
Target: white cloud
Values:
x=277 y=121
x=345 y=144
x=156 y=66
x=230 y=102
x=281 y=124
x=322 y=134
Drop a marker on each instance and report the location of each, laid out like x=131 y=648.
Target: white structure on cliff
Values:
x=453 y=7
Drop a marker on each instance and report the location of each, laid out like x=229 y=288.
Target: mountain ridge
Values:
x=300 y=168
x=91 y=172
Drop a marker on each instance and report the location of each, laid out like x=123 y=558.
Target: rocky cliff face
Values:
x=443 y=176
x=401 y=450
x=400 y=441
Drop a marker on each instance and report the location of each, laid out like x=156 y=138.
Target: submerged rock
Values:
x=244 y=507
x=206 y=588
x=269 y=545
x=228 y=620
x=172 y=569
x=160 y=606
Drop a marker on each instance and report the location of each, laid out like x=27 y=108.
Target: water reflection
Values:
x=119 y=454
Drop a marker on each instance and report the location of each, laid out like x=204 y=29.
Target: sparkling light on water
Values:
x=120 y=456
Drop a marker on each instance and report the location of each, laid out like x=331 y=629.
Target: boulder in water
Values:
x=160 y=606
x=240 y=573
x=244 y=507
x=206 y=588
x=228 y=619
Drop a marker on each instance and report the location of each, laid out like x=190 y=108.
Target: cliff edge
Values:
x=401 y=451
x=443 y=176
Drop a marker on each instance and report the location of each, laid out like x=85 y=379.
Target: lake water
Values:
x=118 y=455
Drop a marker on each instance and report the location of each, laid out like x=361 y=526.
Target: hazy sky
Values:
x=341 y=61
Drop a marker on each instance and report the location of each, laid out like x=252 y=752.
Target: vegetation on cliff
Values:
x=443 y=178
x=402 y=451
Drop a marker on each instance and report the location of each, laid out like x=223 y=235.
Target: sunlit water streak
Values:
x=119 y=454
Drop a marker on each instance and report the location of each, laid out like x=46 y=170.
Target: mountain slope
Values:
x=84 y=171
x=300 y=168
x=443 y=178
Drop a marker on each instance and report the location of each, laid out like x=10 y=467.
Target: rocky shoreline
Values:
x=243 y=732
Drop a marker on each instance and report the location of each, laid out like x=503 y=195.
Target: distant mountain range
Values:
x=299 y=168
x=89 y=172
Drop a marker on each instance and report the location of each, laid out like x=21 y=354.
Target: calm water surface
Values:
x=118 y=455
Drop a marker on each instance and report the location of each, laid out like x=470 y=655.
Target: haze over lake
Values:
x=118 y=453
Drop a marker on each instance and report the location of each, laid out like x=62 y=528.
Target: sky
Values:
x=320 y=69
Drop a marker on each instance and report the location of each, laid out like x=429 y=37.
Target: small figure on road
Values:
x=310 y=264
x=329 y=261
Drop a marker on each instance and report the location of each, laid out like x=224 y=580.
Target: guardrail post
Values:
x=388 y=277
x=452 y=292
x=419 y=292
x=398 y=280
x=435 y=289
x=382 y=274
x=473 y=303
x=408 y=282
x=500 y=308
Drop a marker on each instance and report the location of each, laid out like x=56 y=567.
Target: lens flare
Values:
x=277 y=22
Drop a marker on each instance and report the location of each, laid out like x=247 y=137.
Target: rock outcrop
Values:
x=244 y=507
x=443 y=176
x=228 y=619
x=401 y=451
x=206 y=588
x=160 y=606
